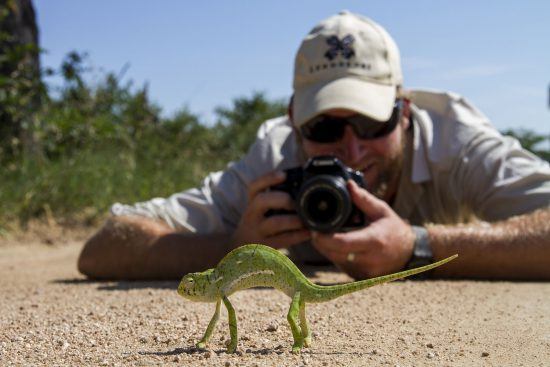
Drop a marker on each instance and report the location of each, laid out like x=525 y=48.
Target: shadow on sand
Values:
x=121 y=285
x=263 y=351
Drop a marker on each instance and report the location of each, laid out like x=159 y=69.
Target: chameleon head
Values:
x=196 y=287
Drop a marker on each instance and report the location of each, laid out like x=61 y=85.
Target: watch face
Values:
x=422 y=247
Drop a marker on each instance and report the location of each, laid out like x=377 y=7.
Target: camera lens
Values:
x=324 y=203
x=321 y=206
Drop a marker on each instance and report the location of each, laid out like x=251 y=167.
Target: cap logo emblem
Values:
x=337 y=46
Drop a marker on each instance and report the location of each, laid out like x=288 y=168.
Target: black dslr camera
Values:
x=321 y=195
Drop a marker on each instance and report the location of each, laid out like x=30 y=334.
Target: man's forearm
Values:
x=517 y=248
x=173 y=255
x=141 y=248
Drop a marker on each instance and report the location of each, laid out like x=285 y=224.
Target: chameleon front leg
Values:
x=211 y=325
x=232 y=325
x=304 y=325
x=292 y=318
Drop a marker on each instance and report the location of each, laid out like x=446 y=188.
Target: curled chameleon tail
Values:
x=262 y=266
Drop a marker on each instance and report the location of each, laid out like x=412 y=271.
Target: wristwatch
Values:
x=422 y=252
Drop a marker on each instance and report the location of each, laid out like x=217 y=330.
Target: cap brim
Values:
x=370 y=99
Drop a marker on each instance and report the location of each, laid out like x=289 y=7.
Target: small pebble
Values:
x=430 y=355
x=485 y=354
x=272 y=327
x=430 y=345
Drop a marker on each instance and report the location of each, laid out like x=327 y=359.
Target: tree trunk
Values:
x=20 y=84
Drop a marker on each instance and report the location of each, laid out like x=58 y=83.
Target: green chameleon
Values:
x=261 y=266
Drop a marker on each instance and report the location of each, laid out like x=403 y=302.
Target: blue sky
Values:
x=203 y=54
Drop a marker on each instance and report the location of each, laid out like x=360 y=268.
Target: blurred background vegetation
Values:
x=68 y=152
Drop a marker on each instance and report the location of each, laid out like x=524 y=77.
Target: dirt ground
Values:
x=51 y=315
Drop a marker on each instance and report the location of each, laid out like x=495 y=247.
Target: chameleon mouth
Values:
x=183 y=291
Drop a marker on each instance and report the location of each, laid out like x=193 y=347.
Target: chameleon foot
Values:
x=307 y=341
x=297 y=346
x=231 y=348
x=201 y=345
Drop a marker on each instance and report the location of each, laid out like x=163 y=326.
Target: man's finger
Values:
x=338 y=256
x=369 y=204
x=280 y=223
x=263 y=182
x=272 y=200
x=289 y=239
x=343 y=243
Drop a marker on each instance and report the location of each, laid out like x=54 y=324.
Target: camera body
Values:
x=322 y=199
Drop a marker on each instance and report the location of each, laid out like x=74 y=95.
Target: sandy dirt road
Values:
x=51 y=315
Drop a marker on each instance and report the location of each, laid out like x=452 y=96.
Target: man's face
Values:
x=380 y=160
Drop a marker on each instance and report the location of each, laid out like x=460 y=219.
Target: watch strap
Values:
x=422 y=252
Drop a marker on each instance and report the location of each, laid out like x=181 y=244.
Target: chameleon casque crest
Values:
x=257 y=265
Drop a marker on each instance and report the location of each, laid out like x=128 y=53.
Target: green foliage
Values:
x=238 y=125
x=108 y=142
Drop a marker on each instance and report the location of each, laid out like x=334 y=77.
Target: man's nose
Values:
x=353 y=148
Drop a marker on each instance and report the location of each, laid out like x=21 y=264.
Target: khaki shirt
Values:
x=457 y=167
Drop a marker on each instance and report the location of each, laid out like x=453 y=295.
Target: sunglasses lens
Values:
x=328 y=129
x=366 y=128
x=324 y=129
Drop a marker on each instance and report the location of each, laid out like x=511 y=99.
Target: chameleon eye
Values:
x=189 y=282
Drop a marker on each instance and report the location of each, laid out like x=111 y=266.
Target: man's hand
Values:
x=276 y=231
x=382 y=247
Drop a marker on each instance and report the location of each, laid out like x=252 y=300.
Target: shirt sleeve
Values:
x=497 y=178
x=217 y=205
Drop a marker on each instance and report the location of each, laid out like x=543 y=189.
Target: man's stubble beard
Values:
x=390 y=172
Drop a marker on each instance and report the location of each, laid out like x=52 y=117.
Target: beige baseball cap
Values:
x=346 y=61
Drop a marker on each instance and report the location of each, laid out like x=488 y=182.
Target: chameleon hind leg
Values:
x=232 y=325
x=292 y=317
x=304 y=325
x=211 y=325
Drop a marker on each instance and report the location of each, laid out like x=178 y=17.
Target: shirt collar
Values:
x=422 y=140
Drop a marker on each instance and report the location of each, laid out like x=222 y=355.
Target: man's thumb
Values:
x=369 y=204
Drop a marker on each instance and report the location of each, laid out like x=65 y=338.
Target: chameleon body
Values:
x=262 y=266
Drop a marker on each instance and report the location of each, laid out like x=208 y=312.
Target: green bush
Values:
x=108 y=142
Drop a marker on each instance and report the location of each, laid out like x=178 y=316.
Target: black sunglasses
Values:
x=330 y=129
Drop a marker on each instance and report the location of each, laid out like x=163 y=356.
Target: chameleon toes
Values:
x=231 y=348
x=296 y=350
